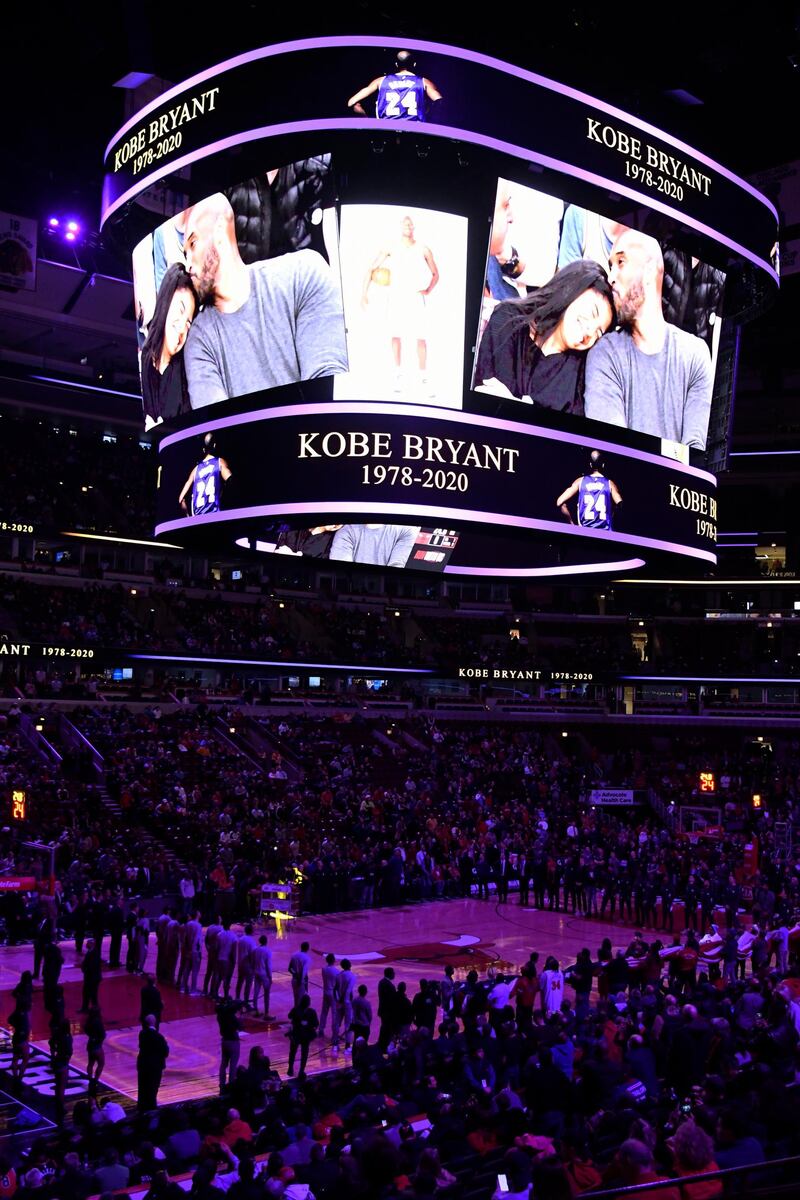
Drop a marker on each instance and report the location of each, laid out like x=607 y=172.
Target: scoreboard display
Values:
x=407 y=305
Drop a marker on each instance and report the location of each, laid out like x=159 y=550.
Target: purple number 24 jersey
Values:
x=594 y=502
x=206 y=487
x=401 y=98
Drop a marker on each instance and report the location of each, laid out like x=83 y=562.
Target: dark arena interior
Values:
x=458 y=859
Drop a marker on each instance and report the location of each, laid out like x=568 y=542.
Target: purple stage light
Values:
x=73 y=226
x=54 y=222
x=69 y=237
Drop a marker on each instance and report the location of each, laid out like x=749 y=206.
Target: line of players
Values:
x=179 y=957
x=180 y=942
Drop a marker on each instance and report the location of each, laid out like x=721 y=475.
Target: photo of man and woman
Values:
x=583 y=314
x=241 y=293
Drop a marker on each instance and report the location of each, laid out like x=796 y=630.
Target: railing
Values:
x=37 y=741
x=752 y=1169
x=72 y=737
x=668 y=815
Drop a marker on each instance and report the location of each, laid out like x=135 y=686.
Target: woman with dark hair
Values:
x=165 y=392
x=534 y=349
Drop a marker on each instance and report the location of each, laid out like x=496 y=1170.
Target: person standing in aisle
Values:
x=61 y=1049
x=95 y=1032
x=343 y=1019
x=298 y=969
x=330 y=973
x=262 y=976
x=211 y=980
x=226 y=956
x=150 y=1063
x=141 y=935
x=53 y=961
x=230 y=1047
x=387 y=1008
x=151 y=1003
x=302 y=1033
x=172 y=946
x=116 y=927
x=92 y=972
x=245 y=961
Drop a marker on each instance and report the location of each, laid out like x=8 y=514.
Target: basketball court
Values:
x=417 y=940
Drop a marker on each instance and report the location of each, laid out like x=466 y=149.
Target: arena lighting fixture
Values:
x=704 y=679
x=682 y=96
x=360 y=668
x=69 y=228
x=712 y=582
x=122 y=541
x=86 y=387
x=133 y=80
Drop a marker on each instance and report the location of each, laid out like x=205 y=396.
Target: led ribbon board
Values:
x=279 y=94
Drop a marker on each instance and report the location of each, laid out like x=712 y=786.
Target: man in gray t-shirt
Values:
x=378 y=545
x=651 y=376
x=270 y=323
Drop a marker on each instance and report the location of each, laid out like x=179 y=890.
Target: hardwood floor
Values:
x=418 y=940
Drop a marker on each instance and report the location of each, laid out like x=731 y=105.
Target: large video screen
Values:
x=241 y=293
x=400 y=353
x=584 y=314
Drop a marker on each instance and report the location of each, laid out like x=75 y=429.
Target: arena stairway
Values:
x=70 y=736
x=259 y=744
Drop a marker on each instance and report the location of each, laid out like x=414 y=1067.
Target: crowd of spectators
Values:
x=196 y=621
x=562 y=1078
x=363 y=814
x=106 y=484
x=168 y=620
x=638 y=1076
x=60 y=805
